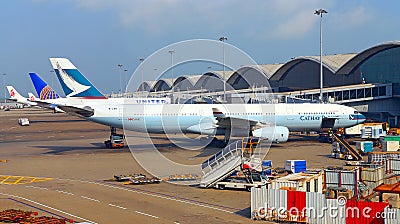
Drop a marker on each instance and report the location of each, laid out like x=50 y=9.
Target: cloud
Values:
x=269 y=19
x=353 y=17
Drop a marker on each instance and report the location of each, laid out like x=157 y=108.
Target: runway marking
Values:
x=6 y=179
x=41 y=188
x=169 y=198
x=117 y=206
x=154 y=194
x=92 y=199
x=64 y=192
x=46 y=206
x=142 y=213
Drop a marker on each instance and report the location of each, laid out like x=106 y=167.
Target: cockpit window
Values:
x=355 y=112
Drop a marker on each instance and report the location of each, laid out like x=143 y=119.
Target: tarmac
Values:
x=58 y=166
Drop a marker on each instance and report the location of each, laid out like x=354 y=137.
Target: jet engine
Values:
x=274 y=134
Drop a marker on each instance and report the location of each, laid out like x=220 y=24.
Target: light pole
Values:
x=141 y=65
x=120 y=77
x=172 y=73
x=126 y=83
x=319 y=12
x=223 y=39
x=4 y=85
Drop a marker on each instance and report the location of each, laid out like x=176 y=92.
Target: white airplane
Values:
x=15 y=96
x=268 y=121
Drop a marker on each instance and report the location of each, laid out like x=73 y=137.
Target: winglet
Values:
x=73 y=82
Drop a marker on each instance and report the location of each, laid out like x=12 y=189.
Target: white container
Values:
x=390 y=146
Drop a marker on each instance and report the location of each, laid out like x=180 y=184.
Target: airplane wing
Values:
x=76 y=111
x=225 y=121
x=85 y=111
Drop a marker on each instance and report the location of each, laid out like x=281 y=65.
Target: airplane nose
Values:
x=361 y=118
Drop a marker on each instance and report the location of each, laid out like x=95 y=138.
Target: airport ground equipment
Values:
x=23 y=121
x=236 y=156
x=136 y=179
x=249 y=180
x=350 y=152
x=115 y=141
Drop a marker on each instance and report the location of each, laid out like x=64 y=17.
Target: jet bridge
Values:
x=227 y=161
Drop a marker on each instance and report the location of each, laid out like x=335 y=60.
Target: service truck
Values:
x=115 y=141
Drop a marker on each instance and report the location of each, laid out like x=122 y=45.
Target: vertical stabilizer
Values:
x=14 y=94
x=43 y=90
x=73 y=82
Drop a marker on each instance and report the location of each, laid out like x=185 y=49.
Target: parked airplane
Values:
x=15 y=96
x=270 y=121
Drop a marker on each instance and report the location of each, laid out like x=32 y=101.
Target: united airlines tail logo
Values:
x=71 y=83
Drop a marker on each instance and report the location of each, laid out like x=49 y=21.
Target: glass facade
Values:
x=383 y=67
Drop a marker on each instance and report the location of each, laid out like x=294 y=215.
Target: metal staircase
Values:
x=224 y=163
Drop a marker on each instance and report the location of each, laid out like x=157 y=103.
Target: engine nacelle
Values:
x=274 y=134
x=202 y=129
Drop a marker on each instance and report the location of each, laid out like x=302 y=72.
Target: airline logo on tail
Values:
x=71 y=83
x=12 y=93
x=44 y=91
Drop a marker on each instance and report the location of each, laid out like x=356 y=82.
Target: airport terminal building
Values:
x=368 y=81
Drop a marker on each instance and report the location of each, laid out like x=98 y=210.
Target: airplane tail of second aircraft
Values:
x=73 y=82
x=43 y=90
x=14 y=94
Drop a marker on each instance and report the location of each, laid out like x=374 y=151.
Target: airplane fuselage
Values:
x=187 y=118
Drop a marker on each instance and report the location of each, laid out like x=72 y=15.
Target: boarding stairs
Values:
x=224 y=163
x=356 y=155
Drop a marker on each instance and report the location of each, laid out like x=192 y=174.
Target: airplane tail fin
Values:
x=32 y=97
x=73 y=82
x=14 y=94
x=43 y=90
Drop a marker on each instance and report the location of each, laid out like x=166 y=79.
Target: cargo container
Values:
x=300 y=182
x=364 y=146
x=342 y=178
x=266 y=167
x=372 y=132
x=393 y=166
x=392 y=138
x=296 y=166
x=392 y=199
x=381 y=157
x=390 y=146
x=372 y=173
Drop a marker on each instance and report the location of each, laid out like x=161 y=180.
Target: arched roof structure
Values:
x=248 y=76
x=352 y=64
x=186 y=82
x=330 y=62
x=162 y=85
x=146 y=86
x=210 y=80
x=299 y=73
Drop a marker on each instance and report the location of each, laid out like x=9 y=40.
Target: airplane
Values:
x=17 y=97
x=269 y=121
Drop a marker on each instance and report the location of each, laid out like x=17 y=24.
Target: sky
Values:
x=97 y=35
